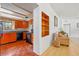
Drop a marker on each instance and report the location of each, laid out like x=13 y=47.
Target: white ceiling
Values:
x=21 y=10
x=66 y=9
x=27 y=6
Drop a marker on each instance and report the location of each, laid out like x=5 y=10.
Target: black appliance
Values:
x=28 y=37
x=19 y=35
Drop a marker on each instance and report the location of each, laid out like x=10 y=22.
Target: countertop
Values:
x=15 y=30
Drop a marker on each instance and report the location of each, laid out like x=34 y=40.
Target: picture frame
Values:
x=55 y=21
x=77 y=25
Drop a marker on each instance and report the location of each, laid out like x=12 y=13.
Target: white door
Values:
x=66 y=28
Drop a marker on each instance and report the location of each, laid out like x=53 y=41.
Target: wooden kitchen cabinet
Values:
x=32 y=37
x=8 y=37
x=21 y=24
x=17 y=24
x=25 y=24
x=24 y=35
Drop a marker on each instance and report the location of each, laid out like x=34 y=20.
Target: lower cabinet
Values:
x=15 y=36
x=8 y=37
x=24 y=35
x=28 y=37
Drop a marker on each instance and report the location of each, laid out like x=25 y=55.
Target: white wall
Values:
x=36 y=29
x=59 y=23
x=74 y=31
x=42 y=43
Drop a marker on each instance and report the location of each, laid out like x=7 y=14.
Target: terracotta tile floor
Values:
x=20 y=48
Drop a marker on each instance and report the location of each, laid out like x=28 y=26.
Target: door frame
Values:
x=69 y=28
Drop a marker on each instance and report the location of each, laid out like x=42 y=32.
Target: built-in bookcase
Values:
x=45 y=24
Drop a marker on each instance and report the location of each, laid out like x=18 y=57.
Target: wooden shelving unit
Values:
x=45 y=24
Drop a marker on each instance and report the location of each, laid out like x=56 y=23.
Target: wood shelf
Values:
x=44 y=19
x=45 y=24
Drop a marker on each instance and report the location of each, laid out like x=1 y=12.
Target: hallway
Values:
x=72 y=50
x=19 y=48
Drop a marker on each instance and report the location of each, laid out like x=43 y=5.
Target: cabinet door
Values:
x=24 y=24
x=24 y=35
x=8 y=37
x=21 y=24
x=16 y=24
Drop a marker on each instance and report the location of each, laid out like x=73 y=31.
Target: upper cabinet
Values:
x=30 y=21
x=17 y=24
x=25 y=24
x=21 y=24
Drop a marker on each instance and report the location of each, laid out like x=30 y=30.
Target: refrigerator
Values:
x=1 y=26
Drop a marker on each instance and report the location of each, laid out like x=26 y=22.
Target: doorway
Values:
x=67 y=28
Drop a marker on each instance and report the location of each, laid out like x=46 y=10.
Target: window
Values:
x=7 y=25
